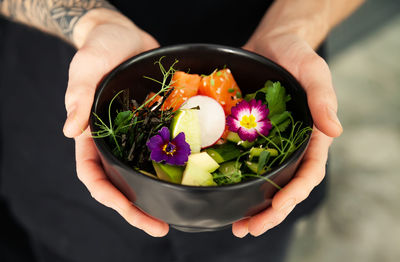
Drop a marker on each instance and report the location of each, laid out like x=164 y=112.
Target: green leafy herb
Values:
x=212 y=81
x=268 y=152
x=276 y=98
x=123 y=121
x=262 y=160
x=129 y=130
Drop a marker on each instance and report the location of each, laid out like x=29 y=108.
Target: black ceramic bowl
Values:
x=186 y=208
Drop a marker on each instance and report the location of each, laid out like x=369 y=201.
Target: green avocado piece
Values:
x=169 y=173
x=198 y=170
x=203 y=160
x=196 y=176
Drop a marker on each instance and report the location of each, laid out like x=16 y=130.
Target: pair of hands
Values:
x=108 y=44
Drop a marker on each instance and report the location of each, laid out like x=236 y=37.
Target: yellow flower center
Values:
x=248 y=122
x=169 y=149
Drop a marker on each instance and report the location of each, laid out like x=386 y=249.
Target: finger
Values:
x=269 y=218
x=314 y=75
x=309 y=175
x=92 y=175
x=240 y=228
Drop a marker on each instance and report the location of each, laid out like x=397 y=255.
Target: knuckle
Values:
x=312 y=61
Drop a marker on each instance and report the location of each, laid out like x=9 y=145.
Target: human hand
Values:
x=295 y=54
x=104 y=39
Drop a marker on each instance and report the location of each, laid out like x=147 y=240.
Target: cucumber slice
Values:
x=230 y=170
x=234 y=137
x=254 y=166
x=223 y=153
x=256 y=151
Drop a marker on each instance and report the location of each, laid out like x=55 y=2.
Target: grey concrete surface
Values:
x=360 y=220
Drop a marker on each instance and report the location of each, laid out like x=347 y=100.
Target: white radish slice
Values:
x=211 y=118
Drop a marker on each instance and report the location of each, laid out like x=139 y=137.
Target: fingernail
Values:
x=333 y=117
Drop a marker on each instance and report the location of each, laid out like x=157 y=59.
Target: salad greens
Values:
x=129 y=130
x=136 y=131
x=267 y=152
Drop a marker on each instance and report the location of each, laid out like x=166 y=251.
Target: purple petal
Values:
x=179 y=140
x=242 y=108
x=178 y=159
x=155 y=142
x=158 y=155
x=264 y=127
x=232 y=123
x=247 y=134
x=164 y=133
x=259 y=110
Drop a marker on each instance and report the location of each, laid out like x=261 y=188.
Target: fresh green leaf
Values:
x=262 y=160
x=258 y=94
x=276 y=98
x=280 y=122
x=277 y=119
x=122 y=120
x=282 y=126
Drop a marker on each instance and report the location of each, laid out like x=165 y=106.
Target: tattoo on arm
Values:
x=55 y=16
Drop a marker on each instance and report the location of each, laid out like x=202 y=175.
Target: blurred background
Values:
x=360 y=220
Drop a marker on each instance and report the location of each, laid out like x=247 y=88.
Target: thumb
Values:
x=311 y=71
x=100 y=54
x=315 y=77
x=86 y=69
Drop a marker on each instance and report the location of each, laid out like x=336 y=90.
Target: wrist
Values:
x=94 y=18
x=305 y=19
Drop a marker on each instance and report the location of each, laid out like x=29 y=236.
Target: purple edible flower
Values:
x=174 y=152
x=249 y=119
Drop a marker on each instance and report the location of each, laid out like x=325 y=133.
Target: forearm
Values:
x=57 y=17
x=309 y=19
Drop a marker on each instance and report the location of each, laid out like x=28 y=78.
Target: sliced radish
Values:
x=211 y=118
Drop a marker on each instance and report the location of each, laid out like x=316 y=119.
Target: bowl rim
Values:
x=104 y=149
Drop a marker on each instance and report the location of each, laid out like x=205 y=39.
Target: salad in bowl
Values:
x=200 y=136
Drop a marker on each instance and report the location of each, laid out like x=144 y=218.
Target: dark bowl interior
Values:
x=187 y=208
